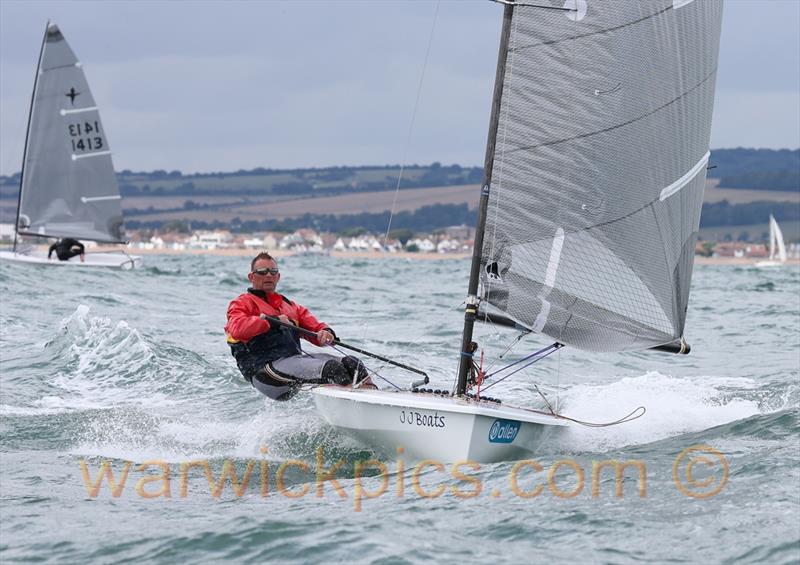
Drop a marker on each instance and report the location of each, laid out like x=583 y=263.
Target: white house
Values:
x=358 y=244
x=6 y=232
x=448 y=246
x=424 y=245
x=211 y=240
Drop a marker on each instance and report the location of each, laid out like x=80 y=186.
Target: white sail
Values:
x=777 y=247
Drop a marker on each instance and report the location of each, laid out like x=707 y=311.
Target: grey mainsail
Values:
x=598 y=168
x=68 y=184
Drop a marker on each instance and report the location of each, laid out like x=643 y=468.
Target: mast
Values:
x=474 y=274
x=28 y=132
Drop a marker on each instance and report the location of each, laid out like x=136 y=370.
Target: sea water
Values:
x=125 y=378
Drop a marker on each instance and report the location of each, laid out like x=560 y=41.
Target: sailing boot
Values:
x=353 y=366
x=335 y=372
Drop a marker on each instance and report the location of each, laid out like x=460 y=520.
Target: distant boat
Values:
x=68 y=187
x=777 y=247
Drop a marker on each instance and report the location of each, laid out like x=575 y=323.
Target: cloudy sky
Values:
x=221 y=86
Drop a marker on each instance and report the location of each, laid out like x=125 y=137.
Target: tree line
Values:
x=437 y=216
x=756 y=169
x=424 y=219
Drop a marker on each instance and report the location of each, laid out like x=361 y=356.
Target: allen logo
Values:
x=503 y=431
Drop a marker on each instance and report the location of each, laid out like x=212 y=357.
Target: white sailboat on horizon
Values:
x=68 y=188
x=777 y=246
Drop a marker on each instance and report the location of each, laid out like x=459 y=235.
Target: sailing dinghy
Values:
x=777 y=246
x=68 y=186
x=589 y=211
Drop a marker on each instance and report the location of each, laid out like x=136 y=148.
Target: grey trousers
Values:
x=281 y=379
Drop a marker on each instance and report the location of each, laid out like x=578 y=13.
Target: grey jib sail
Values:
x=68 y=183
x=599 y=168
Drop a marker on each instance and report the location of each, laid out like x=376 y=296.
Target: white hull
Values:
x=770 y=264
x=105 y=260
x=427 y=426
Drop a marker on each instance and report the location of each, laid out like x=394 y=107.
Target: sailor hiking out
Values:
x=269 y=355
x=67 y=248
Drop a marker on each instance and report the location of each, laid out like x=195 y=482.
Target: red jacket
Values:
x=253 y=342
x=243 y=315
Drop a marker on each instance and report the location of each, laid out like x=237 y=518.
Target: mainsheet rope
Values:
x=405 y=157
x=355 y=374
x=536 y=356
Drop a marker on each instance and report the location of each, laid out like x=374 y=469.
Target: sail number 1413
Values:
x=86 y=136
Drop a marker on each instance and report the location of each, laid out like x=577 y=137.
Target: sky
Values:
x=222 y=86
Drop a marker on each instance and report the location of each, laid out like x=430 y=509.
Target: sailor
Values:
x=269 y=355
x=66 y=249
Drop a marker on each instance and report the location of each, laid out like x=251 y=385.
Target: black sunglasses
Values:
x=266 y=271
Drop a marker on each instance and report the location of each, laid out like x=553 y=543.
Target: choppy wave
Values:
x=134 y=367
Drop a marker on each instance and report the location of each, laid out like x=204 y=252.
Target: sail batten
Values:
x=684 y=180
x=64 y=112
x=85 y=155
x=599 y=161
x=64 y=192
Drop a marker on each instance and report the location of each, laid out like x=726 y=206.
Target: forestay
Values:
x=599 y=168
x=68 y=183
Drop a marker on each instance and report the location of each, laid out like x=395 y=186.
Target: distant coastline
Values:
x=743 y=188
x=282 y=253
x=419 y=256
x=416 y=256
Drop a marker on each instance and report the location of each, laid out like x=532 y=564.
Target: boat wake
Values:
x=130 y=395
x=675 y=406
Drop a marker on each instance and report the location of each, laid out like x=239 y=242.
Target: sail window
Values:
x=494 y=272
